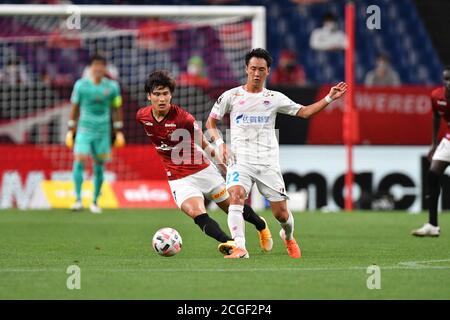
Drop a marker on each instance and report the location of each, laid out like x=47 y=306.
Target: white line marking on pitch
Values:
x=424 y=264
x=409 y=265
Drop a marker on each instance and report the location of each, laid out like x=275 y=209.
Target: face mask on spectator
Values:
x=382 y=65
x=194 y=69
x=290 y=66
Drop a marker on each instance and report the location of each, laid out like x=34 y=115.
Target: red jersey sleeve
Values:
x=142 y=117
x=434 y=99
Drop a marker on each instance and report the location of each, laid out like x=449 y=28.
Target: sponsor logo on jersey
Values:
x=147 y=123
x=170 y=125
x=164 y=147
x=442 y=102
x=251 y=119
x=266 y=103
x=219 y=194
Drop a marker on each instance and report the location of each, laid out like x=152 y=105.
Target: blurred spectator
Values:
x=46 y=78
x=195 y=74
x=383 y=75
x=288 y=71
x=157 y=34
x=328 y=37
x=14 y=73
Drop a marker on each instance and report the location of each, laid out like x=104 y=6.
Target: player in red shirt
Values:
x=439 y=155
x=181 y=146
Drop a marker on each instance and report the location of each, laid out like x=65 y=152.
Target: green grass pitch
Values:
x=114 y=253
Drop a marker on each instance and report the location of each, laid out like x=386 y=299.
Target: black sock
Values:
x=434 y=188
x=211 y=228
x=253 y=218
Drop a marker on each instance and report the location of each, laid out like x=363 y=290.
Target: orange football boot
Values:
x=265 y=238
x=291 y=245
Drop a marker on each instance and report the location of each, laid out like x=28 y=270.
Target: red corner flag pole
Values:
x=348 y=124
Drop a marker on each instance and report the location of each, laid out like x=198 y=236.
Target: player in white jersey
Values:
x=254 y=153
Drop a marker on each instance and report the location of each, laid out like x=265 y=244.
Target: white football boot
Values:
x=95 y=209
x=428 y=230
x=77 y=206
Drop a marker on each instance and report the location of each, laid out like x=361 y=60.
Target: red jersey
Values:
x=441 y=105
x=174 y=138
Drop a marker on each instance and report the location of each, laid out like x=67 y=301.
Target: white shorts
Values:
x=442 y=152
x=207 y=182
x=268 y=180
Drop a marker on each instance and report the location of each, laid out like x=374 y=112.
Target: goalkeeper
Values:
x=89 y=132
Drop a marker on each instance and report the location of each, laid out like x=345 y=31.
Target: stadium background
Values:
x=395 y=123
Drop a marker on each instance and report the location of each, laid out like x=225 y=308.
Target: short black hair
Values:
x=259 y=53
x=446 y=68
x=159 y=79
x=329 y=16
x=97 y=57
x=384 y=55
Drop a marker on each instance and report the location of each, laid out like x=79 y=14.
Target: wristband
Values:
x=219 y=142
x=328 y=99
x=71 y=124
x=117 y=124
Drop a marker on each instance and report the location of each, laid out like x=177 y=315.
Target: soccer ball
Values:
x=167 y=242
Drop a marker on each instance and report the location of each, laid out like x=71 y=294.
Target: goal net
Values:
x=45 y=49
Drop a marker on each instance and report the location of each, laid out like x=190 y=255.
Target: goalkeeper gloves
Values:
x=119 y=140
x=69 y=139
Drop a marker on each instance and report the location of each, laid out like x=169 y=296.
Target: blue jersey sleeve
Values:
x=76 y=93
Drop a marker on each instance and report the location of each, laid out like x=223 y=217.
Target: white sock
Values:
x=288 y=227
x=236 y=224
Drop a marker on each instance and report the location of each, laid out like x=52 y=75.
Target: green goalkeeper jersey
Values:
x=95 y=101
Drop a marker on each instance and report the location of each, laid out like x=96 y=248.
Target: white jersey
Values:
x=252 y=123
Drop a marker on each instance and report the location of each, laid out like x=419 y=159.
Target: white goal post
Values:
x=256 y=13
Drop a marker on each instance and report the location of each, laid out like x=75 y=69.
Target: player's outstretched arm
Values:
x=335 y=93
x=213 y=133
x=72 y=124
